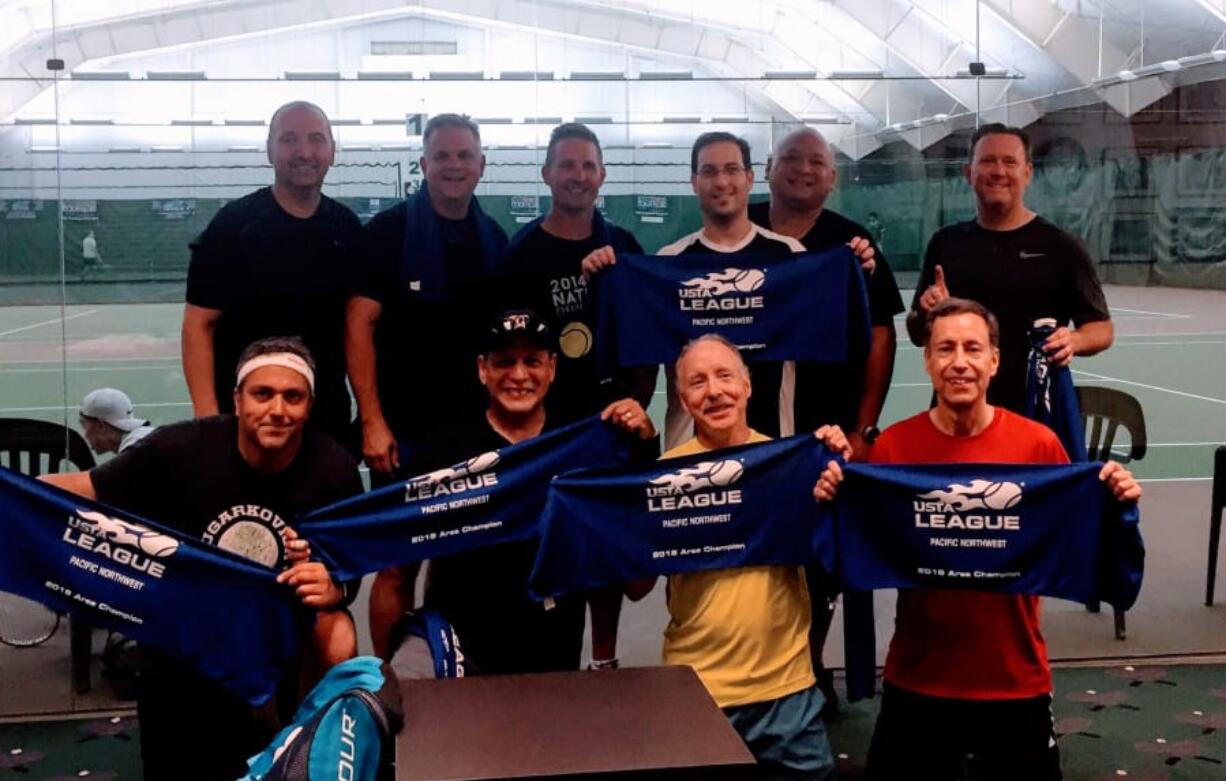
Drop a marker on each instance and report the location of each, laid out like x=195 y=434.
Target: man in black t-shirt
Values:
x=275 y=263
x=802 y=175
x=234 y=481
x=484 y=593
x=1017 y=264
x=543 y=274
x=421 y=298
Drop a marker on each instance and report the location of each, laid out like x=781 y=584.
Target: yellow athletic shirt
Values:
x=744 y=631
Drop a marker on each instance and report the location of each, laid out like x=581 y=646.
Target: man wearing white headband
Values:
x=234 y=480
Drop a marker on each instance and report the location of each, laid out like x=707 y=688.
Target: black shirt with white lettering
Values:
x=1021 y=275
x=190 y=477
x=542 y=273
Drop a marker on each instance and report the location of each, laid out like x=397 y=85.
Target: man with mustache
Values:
x=483 y=593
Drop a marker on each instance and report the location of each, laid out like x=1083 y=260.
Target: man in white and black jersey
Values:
x=721 y=175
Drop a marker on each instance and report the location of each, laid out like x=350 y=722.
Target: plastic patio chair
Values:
x=34 y=440
x=1105 y=411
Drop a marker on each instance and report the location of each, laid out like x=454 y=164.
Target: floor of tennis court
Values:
x=1168 y=353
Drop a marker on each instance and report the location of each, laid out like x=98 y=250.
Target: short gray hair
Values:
x=440 y=121
x=711 y=337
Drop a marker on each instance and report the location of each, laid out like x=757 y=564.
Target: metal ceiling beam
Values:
x=1076 y=45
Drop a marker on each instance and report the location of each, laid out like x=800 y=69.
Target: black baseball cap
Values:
x=517 y=325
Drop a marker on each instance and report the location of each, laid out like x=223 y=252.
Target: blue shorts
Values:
x=787 y=736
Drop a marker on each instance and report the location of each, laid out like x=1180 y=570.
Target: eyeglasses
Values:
x=731 y=170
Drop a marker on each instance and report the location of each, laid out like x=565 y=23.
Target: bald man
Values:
x=274 y=263
x=802 y=175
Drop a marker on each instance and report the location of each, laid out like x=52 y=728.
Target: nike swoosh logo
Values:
x=1028 y=255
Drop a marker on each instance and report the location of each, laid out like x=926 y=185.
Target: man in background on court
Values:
x=276 y=262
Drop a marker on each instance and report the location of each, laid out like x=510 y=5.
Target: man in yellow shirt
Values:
x=746 y=631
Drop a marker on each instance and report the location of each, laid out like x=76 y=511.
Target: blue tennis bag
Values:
x=345 y=728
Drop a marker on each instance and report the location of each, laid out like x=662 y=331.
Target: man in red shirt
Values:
x=967 y=683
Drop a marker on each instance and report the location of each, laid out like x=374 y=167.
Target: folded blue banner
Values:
x=809 y=307
x=1050 y=530
x=737 y=507
x=1051 y=398
x=221 y=614
x=492 y=498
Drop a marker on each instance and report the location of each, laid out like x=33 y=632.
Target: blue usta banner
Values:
x=808 y=306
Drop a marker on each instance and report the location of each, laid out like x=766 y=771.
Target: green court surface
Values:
x=1168 y=353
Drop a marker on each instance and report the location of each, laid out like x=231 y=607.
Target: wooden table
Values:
x=650 y=722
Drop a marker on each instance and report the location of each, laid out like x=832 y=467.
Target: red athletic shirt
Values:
x=968 y=644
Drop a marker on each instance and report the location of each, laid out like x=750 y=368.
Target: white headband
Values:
x=289 y=361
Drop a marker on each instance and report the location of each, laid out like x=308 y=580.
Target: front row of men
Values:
x=967 y=672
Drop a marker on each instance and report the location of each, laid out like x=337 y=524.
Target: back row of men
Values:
x=399 y=305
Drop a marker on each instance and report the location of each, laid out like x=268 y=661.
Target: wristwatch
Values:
x=870 y=433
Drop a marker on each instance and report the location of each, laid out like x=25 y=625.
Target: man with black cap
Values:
x=107 y=420
x=484 y=593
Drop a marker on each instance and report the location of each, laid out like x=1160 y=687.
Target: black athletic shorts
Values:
x=941 y=739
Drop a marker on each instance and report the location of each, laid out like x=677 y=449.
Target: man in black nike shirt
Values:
x=1017 y=264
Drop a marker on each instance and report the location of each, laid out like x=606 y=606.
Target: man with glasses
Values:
x=721 y=175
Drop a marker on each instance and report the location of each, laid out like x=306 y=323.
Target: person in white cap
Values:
x=108 y=422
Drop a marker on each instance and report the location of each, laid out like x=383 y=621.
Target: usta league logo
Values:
x=120 y=541
x=466 y=475
x=730 y=280
x=953 y=507
x=977 y=495
x=686 y=488
x=131 y=534
x=718 y=289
